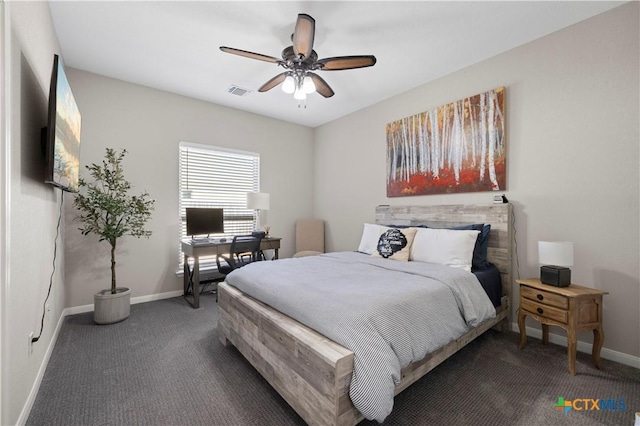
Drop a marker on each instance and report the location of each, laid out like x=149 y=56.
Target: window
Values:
x=221 y=178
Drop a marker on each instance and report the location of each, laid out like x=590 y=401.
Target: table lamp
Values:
x=258 y=201
x=555 y=258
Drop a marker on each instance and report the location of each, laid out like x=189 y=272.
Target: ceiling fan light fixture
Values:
x=307 y=85
x=289 y=85
x=300 y=60
x=300 y=95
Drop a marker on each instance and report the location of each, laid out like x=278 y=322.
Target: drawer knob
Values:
x=540 y=297
x=540 y=311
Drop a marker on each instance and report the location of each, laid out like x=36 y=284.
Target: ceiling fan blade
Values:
x=250 y=55
x=321 y=86
x=273 y=82
x=303 y=35
x=346 y=62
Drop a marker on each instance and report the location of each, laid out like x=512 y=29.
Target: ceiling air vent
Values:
x=238 y=91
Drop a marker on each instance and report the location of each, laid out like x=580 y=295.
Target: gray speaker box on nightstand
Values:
x=558 y=276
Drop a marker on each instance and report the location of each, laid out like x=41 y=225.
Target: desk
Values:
x=213 y=248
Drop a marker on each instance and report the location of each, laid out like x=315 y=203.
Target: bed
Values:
x=312 y=372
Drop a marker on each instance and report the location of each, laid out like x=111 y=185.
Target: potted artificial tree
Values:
x=107 y=210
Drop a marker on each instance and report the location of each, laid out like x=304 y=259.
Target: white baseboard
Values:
x=134 y=300
x=153 y=297
x=605 y=353
x=26 y=410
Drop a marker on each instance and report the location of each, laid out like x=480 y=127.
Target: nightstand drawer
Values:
x=544 y=311
x=544 y=297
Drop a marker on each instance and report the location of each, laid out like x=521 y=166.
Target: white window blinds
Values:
x=221 y=178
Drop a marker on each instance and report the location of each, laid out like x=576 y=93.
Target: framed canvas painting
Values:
x=457 y=147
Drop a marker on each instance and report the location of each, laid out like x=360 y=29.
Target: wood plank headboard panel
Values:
x=442 y=216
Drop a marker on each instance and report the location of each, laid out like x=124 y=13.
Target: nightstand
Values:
x=574 y=308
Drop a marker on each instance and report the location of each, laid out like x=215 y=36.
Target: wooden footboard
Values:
x=311 y=372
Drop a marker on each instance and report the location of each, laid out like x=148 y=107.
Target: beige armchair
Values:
x=309 y=237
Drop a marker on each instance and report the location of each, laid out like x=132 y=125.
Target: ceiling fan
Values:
x=300 y=60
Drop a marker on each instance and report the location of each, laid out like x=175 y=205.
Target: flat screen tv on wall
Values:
x=62 y=134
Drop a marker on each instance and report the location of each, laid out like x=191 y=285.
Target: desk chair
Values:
x=244 y=250
x=260 y=235
x=309 y=237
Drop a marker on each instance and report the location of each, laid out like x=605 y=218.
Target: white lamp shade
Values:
x=307 y=85
x=289 y=85
x=557 y=253
x=300 y=94
x=258 y=200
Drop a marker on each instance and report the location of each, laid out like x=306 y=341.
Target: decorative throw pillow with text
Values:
x=395 y=244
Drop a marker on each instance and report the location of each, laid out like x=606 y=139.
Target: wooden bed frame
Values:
x=313 y=373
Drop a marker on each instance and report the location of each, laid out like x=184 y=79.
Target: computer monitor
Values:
x=204 y=221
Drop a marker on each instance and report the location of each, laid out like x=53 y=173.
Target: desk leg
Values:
x=192 y=279
x=196 y=282
x=186 y=275
x=275 y=255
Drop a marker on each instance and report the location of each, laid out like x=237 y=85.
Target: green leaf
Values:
x=106 y=208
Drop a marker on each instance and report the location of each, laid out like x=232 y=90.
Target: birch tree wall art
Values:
x=458 y=147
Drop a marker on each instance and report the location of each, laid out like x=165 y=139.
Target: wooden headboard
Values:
x=443 y=216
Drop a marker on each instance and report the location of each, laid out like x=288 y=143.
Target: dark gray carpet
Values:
x=164 y=365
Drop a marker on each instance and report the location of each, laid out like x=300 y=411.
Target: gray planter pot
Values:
x=110 y=308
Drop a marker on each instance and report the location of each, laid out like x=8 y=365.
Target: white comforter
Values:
x=389 y=313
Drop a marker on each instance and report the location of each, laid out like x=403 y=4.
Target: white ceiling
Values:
x=174 y=46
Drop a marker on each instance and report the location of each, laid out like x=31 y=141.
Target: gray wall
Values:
x=150 y=124
x=32 y=206
x=572 y=168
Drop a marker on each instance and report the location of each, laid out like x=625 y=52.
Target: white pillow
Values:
x=370 y=236
x=444 y=247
